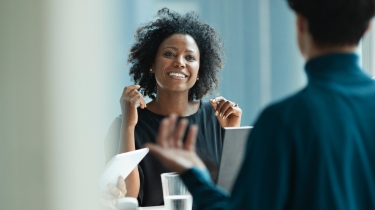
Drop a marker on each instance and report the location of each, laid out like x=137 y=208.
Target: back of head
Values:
x=335 y=22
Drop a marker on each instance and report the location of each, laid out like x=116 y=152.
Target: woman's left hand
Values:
x=227 y=112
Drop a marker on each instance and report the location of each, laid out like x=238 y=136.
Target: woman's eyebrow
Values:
x=193 y=51
x=175 y=48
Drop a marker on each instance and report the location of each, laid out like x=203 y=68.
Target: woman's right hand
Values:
x=118 y=191
x=109 y=198
x=129 y=101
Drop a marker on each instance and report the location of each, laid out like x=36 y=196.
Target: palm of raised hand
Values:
x=170 y=150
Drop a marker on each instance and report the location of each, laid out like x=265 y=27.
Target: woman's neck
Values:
x=167 y=103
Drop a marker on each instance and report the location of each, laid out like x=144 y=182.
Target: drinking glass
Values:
x=175 y=194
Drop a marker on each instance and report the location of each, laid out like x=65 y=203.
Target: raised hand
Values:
x=171 y=151
x=129 y=101
x=227 y=112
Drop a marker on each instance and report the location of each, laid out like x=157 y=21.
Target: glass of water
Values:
x=176 y=196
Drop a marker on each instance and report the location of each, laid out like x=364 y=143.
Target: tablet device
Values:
x=121 y=165
x=234 y=144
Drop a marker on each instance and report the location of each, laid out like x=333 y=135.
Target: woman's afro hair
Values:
x=149 y=36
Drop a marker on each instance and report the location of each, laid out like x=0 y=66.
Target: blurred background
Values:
x=63 y=69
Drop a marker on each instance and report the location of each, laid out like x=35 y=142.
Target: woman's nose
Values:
x=179 y=61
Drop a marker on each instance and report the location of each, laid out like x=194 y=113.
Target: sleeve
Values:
x=264 y=178
x=206 y=195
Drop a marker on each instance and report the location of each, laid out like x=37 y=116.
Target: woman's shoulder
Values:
x=206 y=106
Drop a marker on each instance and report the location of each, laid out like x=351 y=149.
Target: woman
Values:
x=175 y=62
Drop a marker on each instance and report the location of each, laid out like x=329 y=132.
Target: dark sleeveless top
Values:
x=208 y=147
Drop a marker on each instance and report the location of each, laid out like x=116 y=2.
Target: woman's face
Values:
x=176 y=63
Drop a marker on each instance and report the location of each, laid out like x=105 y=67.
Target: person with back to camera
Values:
x=175 y=61
x=313 y=150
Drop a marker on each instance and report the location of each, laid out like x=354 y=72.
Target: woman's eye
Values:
x=169 y=54
x=190 y=58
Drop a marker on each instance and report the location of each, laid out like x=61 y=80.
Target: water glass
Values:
x=175 y=194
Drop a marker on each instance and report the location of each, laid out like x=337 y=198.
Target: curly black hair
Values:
x=148 y=37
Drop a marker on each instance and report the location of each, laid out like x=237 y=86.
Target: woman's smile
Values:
x=177 y=76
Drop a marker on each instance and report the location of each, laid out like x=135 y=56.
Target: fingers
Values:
x=191 y=138
x=224 y=107
x=171 y=129
x=213 y=103
x=166 y=130
x=121 y=185
x=169 y=149
x=136 y=98
x=169 y=135
x=131 y=87
x=115 y=191
x=179 y=133
x=133 y=96
x=163 y=133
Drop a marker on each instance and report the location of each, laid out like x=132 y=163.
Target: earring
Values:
x=150 y=70
x=197 y=78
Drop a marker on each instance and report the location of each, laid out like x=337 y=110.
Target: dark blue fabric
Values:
x=313 y=150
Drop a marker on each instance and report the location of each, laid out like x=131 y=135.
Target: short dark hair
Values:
x=335 y=22
x=149 y=36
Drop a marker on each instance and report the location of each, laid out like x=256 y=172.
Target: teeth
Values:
x=177 y=75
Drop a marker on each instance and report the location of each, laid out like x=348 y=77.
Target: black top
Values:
x=208 y=147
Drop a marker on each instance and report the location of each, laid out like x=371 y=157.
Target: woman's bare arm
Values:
x=127 y=143
x=129 y=101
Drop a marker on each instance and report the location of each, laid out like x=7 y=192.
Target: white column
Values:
x=54 y=82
